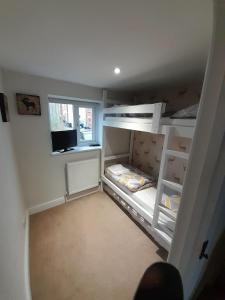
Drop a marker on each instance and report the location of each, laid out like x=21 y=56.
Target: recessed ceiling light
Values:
x=117 y=71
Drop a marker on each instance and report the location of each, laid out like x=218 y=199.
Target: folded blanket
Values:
x=117 y=169
x=172 y=202
x=187 y=113
x=133 y=181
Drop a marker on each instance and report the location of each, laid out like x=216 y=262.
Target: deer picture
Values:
x=29 y=104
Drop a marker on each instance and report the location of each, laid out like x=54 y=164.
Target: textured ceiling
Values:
x=153 y=41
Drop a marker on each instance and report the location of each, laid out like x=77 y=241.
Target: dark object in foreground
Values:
x=4 y=108
x=160 y=281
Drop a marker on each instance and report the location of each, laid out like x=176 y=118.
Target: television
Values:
x=64 y=140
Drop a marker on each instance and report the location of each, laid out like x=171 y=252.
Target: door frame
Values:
x=194 y=217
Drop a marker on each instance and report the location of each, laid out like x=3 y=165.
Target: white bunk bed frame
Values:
x=158 y=125
x=154 y=124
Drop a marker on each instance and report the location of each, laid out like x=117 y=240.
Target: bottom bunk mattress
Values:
x=142 y=189
x=128 y=178
x=146 y=198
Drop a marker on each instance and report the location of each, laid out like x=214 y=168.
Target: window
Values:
x=86 y=123
x=67 y=115
x=61 y=116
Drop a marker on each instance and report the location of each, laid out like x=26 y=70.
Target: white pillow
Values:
x=117 y=169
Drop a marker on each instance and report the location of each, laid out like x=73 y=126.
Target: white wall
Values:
x=117 y=141
x=12 y=213
x=42 y=175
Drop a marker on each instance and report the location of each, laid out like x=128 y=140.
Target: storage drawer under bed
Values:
x=134 y=214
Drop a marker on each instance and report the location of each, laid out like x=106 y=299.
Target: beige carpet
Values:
x=88 y=249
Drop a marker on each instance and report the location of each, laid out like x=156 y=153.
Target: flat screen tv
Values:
x=64 y=140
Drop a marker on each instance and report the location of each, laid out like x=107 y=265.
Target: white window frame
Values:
x=94 y=118
x=76 y=104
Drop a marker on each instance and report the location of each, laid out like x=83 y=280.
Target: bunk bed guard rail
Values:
x=155 y=110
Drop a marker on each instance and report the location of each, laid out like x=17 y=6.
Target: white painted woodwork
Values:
x=200 y=205
x=131 y=146
x=172 y=185
x=128 y=125
x=162 y=238
x=178 y=154
x=154 y=124
x=112 y=157
x=168 y=212
x=141 y=210
x=162 y=172
x=131 y=109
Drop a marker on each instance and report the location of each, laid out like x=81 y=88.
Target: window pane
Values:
x=61 y=116
x=86 y=123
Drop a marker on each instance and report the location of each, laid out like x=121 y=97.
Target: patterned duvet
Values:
x=133 y=180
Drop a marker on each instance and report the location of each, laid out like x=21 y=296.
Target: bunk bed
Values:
x=147 y=205
x=145 y=117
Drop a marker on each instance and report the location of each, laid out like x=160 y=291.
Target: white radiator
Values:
x=82 y=175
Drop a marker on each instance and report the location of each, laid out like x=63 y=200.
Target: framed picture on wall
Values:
x=4 y=108
x=28 y=104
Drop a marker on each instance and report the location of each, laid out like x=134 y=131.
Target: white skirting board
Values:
x=26 y=258
x=41 y=207
x=83 y=194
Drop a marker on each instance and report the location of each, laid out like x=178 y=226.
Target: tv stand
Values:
x=66 y=150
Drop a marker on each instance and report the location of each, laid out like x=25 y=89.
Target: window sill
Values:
x=78 y=149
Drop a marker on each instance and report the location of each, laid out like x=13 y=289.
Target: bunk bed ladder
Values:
x=162 y=182
x=162 y=172
x=104 y=99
